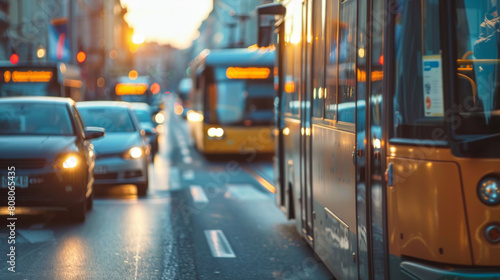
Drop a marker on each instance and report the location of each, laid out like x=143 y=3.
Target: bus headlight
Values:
x=219 y=132
x=489 y=191
x=214 y=132
x=211 y=132
x=193 y=116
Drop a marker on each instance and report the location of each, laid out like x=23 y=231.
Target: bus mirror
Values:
x=266 y=20
x=264 y=36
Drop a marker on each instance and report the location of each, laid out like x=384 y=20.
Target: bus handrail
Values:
x=478 y=61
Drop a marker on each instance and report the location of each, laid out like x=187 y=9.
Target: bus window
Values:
x=318 y=58
x=347 y=60
x=418 y=97
x=478 y=67
x=332 y=29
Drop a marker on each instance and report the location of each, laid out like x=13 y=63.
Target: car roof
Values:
x=120 y=104
x=140 y=105
x=38 y=99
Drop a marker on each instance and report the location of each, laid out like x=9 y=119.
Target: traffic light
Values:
x=81 y=56
x=14 y=58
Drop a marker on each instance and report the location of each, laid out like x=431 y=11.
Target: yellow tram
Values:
x=388 y=151
x=232 y=101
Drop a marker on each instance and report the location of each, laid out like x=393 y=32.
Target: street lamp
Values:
x=40 y=52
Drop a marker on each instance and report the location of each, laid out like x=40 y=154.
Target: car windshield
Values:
x=478 y=66
x=143 y=115
x=24 y=118
x=110 y=118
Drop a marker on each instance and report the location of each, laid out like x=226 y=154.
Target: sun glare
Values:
x=138 y=39
x=167 y=21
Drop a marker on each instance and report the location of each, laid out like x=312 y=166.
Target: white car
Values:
x=122 y=156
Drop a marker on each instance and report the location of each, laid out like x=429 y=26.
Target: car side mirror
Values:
x=94 y=132
x=149 y=131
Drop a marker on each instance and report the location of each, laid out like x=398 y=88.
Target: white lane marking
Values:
x=150 y=200
x=187 y=160
x=245 y=192
x=185 y=151
x=137 y=257
x=188 y=175
x=36 y=236
x=219 y=246
x=175 y=180
x=198 y=194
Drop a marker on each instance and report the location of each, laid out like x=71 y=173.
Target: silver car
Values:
x=122 y=156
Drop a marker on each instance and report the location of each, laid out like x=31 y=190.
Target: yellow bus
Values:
x=232 y=101
x=388 y=120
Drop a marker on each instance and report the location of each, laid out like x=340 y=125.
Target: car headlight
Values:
x=133 y=153
x=67 y=161
x=159 y=118
x=489 y=191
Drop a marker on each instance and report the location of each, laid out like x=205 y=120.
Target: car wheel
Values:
x=142 y=189
x=90 y=201
x=78 y=212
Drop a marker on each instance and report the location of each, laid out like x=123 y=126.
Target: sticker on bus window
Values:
x=433 y=86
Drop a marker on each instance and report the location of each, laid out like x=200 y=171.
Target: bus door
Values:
x=305 y=128
x=368 y=154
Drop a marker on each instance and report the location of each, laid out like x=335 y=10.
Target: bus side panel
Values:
x=243 y=140
x=480 y=216
x=334 y=195
x=292 y=174
x=426 y=215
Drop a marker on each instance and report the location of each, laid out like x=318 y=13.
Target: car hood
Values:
x=116 y=142
x=35 y=146
x=147 y=125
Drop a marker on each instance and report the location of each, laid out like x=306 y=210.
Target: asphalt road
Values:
x=202 y=219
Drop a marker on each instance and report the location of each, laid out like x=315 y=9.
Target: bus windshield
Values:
x=29 y=89
x=418 y=111
x=243 y=101
x=478 y=67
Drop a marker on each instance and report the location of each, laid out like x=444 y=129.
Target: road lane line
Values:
x=219 y=246
x=198 y=194
x=185 y=151
x=188 y=175
x=266 y=184
x=187 y=160
x=137 y=257
x=175 y=180
x=246 y=192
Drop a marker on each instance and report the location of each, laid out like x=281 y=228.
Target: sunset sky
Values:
x=167 y=21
